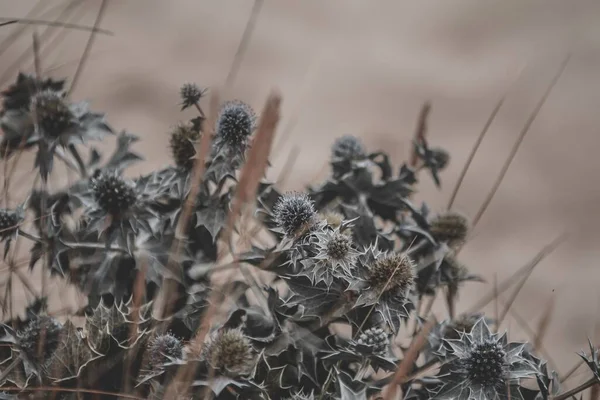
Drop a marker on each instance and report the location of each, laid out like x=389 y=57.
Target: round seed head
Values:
x=113 y=194
x=294 y=212
x=235 y=123
x=375 y=339
x=190 y=94
x=182 y=145
x=163 y=347
x=39 y=339
x=348 y=148
x=450 y=227
x=463 y=324
x=392 y=272
x=338 y=246
x=440 y=157
x=9 y=222
x=51 y=113
x=333 y=219
x=230 y=353
x=486 y=363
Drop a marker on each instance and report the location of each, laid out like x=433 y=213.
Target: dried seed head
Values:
x=333 y=219
x=375 y=339
x=235 y=123
x=338 y=246
x=440 y=157
x=462 y=324
x=9 y=222
x=294 y=212
x=486 y=363
x=392 y=272
x=163 y=347
x=113 y=193
x=348 y=148
x=183 y=138
x=450 y=227
x=39 y=339
x=230 y=353
x=190 y=94
x=51 y=113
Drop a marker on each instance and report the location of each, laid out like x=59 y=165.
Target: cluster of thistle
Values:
x=349 y=265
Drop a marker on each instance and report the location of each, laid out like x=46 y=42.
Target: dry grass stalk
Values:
x=421 y=132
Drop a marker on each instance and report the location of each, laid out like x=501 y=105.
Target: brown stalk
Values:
x=243 y=46
x=54 y=24
x=519 y=140
x=476 y=145
x=421 y=132
x=410 y=357
x=88 y=47
x=10 y=39
x=543 y=325
x=51 y=389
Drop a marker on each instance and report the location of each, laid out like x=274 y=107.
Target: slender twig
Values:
x=421 y=132
x=243 y=46
x=476 y=145
x=88 y=47
x=520 y=138
x=25 y=21
x=586 y=385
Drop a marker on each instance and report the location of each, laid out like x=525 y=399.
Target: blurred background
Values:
x=365 y=68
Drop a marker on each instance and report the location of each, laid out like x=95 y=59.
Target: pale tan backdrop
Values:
x=365 y=68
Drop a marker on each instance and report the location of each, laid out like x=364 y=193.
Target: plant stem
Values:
x=78 y=160
x=586 y=385
x=30 y=236
x=96 y=246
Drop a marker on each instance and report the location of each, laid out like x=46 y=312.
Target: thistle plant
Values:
x=330 y=285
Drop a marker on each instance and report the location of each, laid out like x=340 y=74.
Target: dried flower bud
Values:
x=230 y=353
x=450 y=227
x=235 y=123
x=182 y=142
x=348 y=148
x=113 y=193
x=461 y=325
x=338 y=246
x=190 y=94
x=373 y=341
x=163 y=347
x=39 y=339
x=294 y=212
x=440 y=157
x=51 y=113
x=9 y=222
x=485 y=363
x=392 y=272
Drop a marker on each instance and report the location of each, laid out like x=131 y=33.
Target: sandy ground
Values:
x=365 y=68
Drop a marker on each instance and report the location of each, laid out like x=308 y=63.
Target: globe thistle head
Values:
x=440 y=158
x=372 y=341
x=230 y=353
x=333 y=218
x=9 y=222
x=182 y=143
x=348 y=148
x=235 y=123
x=113 y=193
x=483 y=365
x=392 y=272
x=39 y=339
x=190 y=94
x=51 y=113
x=450 y=227
x=294 y=213
x=162 y=348
x=336 y=256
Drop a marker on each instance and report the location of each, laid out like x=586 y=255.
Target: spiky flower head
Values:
x=294 y=213
x=51 y=113
x=450 y=227
x=229 y=352
x=440 y=158
x=392 y=272
x=348 y=148
x=39 y=339
x=162 y=348
x=372 y=341
x=235 y=123
x=336 y=255
x=113 y=193
x=190 y=94
x=483 y=365
x=9 y=222
x=182 y=143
